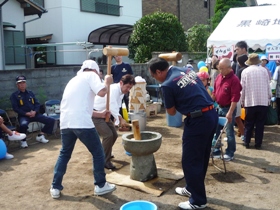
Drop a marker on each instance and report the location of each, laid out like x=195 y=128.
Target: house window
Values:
x=108 y=7
x=14 y=53
x=39 y=2
x=44 y=56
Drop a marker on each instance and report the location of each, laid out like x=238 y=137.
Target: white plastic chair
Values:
x=219 y=145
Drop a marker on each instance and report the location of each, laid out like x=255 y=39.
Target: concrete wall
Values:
x=49 y=83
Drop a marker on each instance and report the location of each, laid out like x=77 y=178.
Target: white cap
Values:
x=89 y=64
x=264 y=58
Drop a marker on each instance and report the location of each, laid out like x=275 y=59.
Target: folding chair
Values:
x=219 y=145
x=52 y=109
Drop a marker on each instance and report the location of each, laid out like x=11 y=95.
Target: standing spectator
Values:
x=265 y=61
x=184 y=91
x=241 y=62
x=234 y=63
x=214 y=69
x=241 y=48
x=276 y=77
x=76 y=111
x=227 y=93
x=118 y=70
x=107 y=129
x=255 y=97
x=26 y=105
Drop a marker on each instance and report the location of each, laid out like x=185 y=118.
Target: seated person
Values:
x=12 y=136
x=27 y=106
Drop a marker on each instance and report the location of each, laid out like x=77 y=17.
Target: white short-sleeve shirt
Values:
x=77 y=101
x=116 y=97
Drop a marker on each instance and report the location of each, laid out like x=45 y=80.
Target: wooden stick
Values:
x=136 y=129
x=174 y=56
x=109 y=62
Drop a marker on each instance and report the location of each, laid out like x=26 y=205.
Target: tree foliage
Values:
x=197 y=38
x=221 y=9
x=158 y=31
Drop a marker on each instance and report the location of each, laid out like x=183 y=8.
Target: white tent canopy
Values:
x=258 y=26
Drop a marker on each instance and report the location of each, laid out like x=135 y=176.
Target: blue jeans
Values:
x=47 y=121
x=91 y=140
x=231 y=144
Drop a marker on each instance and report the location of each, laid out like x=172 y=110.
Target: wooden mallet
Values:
x=109 y=52
x=174 y=56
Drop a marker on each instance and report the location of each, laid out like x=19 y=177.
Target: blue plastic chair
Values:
x=52 y=109
x=222 y=122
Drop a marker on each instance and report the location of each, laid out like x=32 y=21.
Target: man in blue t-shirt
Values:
x=120 y=69
x=184 y=92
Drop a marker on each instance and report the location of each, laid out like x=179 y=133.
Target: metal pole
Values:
x=28 y=61
x=2 y=54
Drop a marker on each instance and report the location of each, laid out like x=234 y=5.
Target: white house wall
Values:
x=12 y=13
x=68 y=23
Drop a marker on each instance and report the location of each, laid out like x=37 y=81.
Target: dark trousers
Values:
x=109 y=135
x=255 y=116
x=278 y=108
x=197 y=141
x=48 y=127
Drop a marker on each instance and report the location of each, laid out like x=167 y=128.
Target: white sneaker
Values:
x=9 y=156
x=188 y=205
x=16 y=136
x=105 y=189
x=42 y=139
x=23 y=144
x=182 y=191
x=228 y=158
x=55 y=193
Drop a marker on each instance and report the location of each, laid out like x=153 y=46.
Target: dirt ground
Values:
x=252 y=181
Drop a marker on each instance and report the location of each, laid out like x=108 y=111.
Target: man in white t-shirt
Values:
x=107 y=129
x=76 y=111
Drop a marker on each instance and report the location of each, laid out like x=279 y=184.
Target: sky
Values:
x=277 y=2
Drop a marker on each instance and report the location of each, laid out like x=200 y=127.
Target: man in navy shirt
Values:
x=26 y=105
x=120 y=69
x=184 y=92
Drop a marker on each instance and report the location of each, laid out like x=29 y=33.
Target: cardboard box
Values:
x=151 y=110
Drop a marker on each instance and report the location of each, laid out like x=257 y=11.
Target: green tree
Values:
x=197 y=38
x=221 y=9
x=158 y=31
